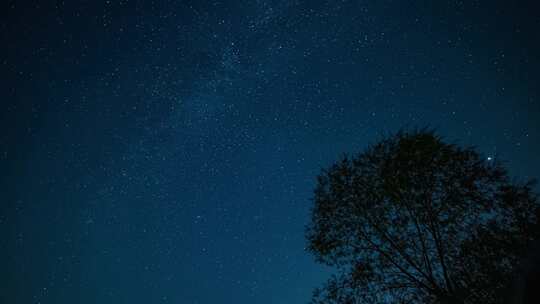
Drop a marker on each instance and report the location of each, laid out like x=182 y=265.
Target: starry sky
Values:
x=166 y=151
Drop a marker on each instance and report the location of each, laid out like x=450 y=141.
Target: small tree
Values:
x=416 y=220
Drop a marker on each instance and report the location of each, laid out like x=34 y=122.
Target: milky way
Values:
x=167 y=152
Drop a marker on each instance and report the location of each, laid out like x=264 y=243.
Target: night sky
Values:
x=166 y=152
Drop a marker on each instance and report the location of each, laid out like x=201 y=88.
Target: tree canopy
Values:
x=413 y=219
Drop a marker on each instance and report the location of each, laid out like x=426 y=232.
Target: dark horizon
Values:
x=167 y=152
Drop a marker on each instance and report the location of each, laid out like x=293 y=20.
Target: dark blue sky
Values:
x=166 y=152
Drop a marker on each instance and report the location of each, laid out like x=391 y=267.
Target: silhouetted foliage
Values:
x=416 y=220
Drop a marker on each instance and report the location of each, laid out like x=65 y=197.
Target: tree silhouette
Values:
x=416 y=220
